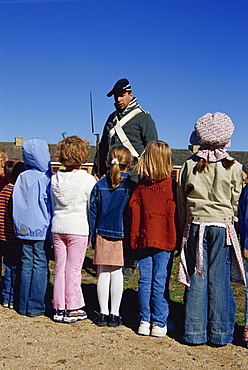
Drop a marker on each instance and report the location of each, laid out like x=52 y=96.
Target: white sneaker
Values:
x=144 y=328
x=73 y=316
x=158 y=331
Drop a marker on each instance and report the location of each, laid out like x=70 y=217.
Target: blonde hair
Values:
x=73 y=151
x=155 y=163
x=119 y=158
x=3 y=159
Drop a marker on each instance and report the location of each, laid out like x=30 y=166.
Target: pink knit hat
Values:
x=212 y=132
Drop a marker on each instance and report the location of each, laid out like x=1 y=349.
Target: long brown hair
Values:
x=203 y=164
x=119 y=158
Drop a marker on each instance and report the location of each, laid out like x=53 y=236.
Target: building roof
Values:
x=14 y=150
x=179 y=156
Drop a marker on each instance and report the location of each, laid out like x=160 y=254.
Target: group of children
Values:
x=73 y=211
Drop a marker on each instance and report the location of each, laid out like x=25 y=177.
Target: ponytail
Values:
x=119 y=158
x=115 y=175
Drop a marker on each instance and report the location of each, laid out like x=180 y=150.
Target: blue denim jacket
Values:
x=107 y=207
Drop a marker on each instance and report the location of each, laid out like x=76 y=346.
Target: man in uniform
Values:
x=133 y=127
x=128 y=125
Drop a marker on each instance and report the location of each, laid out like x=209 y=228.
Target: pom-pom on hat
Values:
x=212 y=132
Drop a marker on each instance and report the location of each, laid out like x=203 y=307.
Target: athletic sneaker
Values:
x=74 y=316
x=8 y=305
x=80 y=314
x=59 y=316
x=144 y=328
x=158 y=331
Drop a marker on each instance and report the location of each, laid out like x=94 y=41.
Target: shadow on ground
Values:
x=130 y=308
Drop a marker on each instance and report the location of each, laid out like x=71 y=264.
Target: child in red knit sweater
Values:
x=153 y=234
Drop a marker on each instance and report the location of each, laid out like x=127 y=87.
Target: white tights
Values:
x=110 y=277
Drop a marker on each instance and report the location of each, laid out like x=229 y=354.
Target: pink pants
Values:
x=69 y=253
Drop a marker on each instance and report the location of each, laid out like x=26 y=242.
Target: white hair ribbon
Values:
x=114 y=161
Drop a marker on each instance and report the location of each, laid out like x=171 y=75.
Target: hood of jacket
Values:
x=65 y=185
x=36 y=155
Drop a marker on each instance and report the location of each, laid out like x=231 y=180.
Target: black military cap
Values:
x=122 y=85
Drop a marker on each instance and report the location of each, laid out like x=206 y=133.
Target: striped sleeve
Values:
x=6 y=221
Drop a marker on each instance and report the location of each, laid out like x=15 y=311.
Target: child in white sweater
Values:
x=70 y=191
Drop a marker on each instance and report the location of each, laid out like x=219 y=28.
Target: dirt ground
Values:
x=39 y=343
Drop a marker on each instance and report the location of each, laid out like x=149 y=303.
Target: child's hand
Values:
x=89 y=245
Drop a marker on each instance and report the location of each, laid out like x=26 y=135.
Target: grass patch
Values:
x=89 y=276
x=176 y=288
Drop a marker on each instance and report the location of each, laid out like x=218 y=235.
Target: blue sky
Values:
x=184 y=58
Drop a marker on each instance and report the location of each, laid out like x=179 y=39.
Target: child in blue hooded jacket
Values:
x=32 y=218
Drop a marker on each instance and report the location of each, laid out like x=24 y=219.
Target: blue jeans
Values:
x=246 y=303
x=34 y=274
x=153 y=286
x=11 y=280
x=209 y=302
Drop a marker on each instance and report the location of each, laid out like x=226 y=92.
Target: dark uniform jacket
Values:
x=140 y=130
